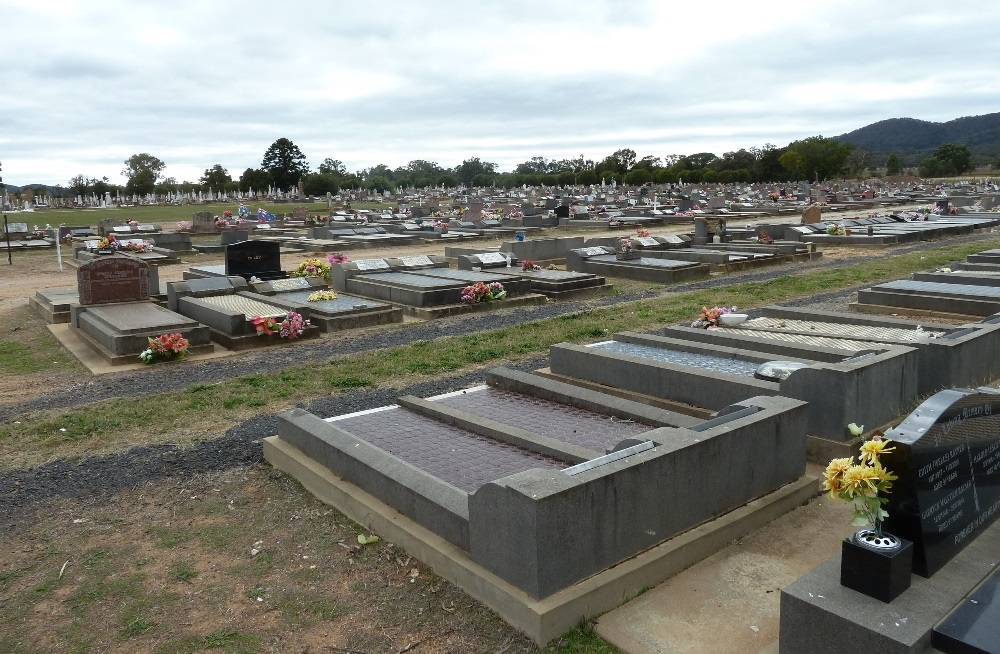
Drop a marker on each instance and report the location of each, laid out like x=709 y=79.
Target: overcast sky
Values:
x=85 y=84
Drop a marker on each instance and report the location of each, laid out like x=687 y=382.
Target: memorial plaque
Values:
x=206 y=284
x=422 y=260
x=675 y=240
x=253 y=258
x=16 y=228
x=492 y=257
x=947 y=459
x=147 y=228
x=593 y=252
x=122 y=230
x=372 y=264
x=113 y=279
x=290 y=284
x=647 y=241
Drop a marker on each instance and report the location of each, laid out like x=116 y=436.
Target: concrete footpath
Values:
x=728 y=603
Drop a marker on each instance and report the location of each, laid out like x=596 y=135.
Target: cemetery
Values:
x=556 y=494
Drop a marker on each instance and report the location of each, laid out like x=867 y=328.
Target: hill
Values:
x=911 y=136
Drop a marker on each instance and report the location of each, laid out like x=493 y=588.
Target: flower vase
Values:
x=877 y=566
x=628 y=255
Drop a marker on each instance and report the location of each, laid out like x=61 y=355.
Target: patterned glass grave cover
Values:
x=247 y=306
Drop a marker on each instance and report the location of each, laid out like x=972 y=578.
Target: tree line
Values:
x=284 y=165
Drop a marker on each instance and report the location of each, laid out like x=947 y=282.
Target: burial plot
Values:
x=929 y=297
x=114 y=314
x=841 y=387
x=603 y=261
x=498 y=470
x=424 y=292
x=342 y=312
x=948 y=355
x=554 y=284
x=228 y=307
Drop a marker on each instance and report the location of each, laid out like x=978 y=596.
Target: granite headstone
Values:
x=113 y=279
x=947 y=459
x=261 y=259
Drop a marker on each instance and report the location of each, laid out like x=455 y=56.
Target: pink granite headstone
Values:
x=113 y=279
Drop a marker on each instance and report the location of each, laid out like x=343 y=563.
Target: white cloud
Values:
x=87 y=84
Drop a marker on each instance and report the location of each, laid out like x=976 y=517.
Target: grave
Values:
x=867 y=387
x=603 y=261
x=542 y=250
x=948 y=355
x=946 y=499
x=115 y=317
x=424 y=286
x=554 y=284
x=479 y=482
x=343 y=312
x=227 y=306
x=929 y=298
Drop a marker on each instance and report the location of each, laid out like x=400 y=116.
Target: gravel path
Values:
x=23 y=490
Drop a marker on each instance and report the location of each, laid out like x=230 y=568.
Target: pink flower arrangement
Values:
x=291 y=327
x=642 y=233
x=481 y=292
x=337 y=257
x=166 y=347
x=227 y=213
x=133 y=223
x=528 y=264
x=184 y=225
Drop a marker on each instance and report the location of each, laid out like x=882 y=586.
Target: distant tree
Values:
x=588 y=176
x=448 y=181
x=257 y=179
x=567 y=178
x=619 y=161
x=469 y=168
x=332 y=167
x=934 y=167
x=350 y=181
x=857 y=161
x=169 y=185
x=957 y=155
x=816 y=158
x=638 y=177
x=535 y=165
x=319 y=184
x=79 y=185
x=142 y=172
x=423 y=182
x=286 y=163
x=700 y=160
x=482 y=180
x=893 y=165
x=379 y=183
x=996 y=164
x=216 y=178
x=100 y=186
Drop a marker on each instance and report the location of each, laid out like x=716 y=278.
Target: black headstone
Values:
x=974 y=626
x=260 y=259
x=562 y=211
x=947 y=458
